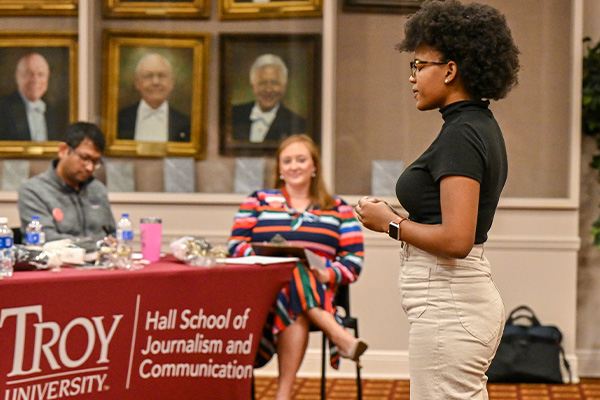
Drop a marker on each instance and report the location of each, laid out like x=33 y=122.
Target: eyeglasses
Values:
x=96 y=163
x=415 y=64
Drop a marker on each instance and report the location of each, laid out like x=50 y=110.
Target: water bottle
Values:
x=124 y=242
x=7 y=253
x=34 y=233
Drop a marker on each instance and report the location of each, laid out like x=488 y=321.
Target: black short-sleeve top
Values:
x=470 y=144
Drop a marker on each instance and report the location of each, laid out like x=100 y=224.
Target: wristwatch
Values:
x=395 y=231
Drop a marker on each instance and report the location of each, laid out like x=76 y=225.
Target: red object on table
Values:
x=168 y=331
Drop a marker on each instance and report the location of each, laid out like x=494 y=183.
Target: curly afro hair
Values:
x=474 y=36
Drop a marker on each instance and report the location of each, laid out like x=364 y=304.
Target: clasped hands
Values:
x=375 y=214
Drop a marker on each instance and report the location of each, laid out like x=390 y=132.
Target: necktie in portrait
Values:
x=37 y=121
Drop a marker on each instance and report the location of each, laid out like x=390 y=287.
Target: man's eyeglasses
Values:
x=414 y=65
x=88 y=160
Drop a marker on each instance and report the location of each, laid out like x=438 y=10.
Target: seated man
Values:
x=66 y=197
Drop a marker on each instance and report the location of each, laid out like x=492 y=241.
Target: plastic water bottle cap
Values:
x=3 y=220
x=35 y=217
x=125 y=215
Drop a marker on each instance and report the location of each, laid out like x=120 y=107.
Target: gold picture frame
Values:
x=299 y=109
x=187 y=57
x=38 y=7
x=246 y=9
x=382 y=6
x=156 y=8
x=59 y=51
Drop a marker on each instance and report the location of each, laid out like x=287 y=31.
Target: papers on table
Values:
x=263 y=260
x=268 y=253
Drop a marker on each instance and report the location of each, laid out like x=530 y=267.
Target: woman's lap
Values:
x=300 y=294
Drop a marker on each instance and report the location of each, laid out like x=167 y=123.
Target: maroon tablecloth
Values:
x=168 y=331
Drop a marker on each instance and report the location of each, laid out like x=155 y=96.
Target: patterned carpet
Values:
x=345 y=389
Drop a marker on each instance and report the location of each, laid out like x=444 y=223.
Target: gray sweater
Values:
x=65 y=212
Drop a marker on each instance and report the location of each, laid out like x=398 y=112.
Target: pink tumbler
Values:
x=151 y=238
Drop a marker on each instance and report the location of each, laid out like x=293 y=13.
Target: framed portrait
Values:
x=38 y=95
x=156 y=8
x=247 y=9
x=38 y=7
x=382 y=6
x=270 y=89
x=154 y=100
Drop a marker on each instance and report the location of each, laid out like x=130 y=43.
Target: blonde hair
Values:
x=319 y=194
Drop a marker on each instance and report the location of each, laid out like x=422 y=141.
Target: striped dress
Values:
x=335 y=235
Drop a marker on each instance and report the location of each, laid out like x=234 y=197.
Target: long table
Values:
x=167 y=331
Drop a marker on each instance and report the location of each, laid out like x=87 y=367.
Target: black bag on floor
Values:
x=528 y=353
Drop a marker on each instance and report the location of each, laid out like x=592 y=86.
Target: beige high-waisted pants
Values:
x=456 y=320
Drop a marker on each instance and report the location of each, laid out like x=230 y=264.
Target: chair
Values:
x=342 y=300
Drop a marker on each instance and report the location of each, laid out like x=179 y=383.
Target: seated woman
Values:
x=302 y=211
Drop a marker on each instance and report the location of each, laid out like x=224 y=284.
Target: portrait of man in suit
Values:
x=266 y=118
x=270 y=90
x=251 y=9
x=152 y=119
x=24 y=114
